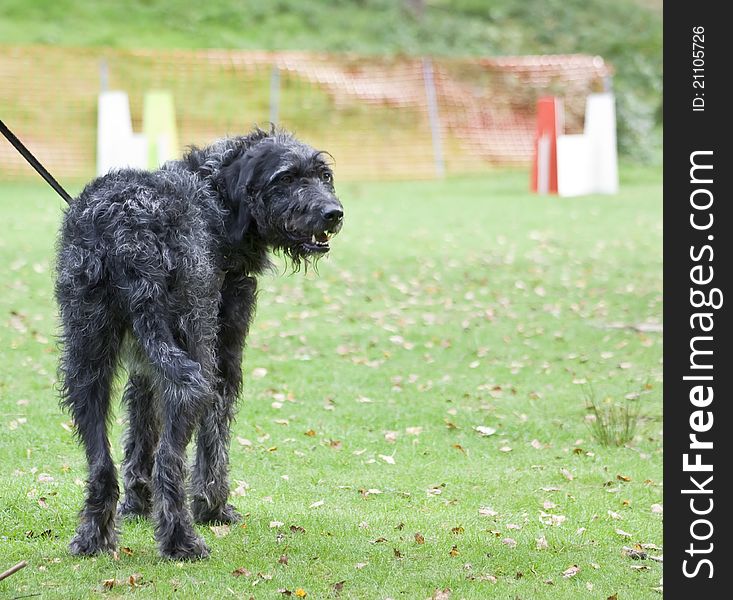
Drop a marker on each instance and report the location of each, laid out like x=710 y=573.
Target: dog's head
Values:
x=282 y=190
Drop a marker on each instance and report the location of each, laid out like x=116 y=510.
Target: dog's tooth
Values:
x=313 y=238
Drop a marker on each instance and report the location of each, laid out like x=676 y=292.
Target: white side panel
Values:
x=600 y=129
x=136 y=155
x=574 y=162
x=116 y=145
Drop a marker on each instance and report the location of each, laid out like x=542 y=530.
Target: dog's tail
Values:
x=159 y=345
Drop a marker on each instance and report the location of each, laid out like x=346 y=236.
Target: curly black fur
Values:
x=160 y=266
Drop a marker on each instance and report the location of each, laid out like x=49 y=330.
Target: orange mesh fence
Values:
x=372 y=114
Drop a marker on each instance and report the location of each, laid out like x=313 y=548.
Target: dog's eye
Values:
x=287 y=179
x=327 y=177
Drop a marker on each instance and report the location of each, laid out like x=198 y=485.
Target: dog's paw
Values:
x=202 y=513
x=190 y=547
x=131 y=509
x=89 y=540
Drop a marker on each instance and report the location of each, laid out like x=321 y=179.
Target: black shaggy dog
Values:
x=160 y=267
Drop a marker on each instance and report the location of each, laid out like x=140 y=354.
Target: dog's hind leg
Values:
x=209 y=481
x=87 y=366
x=184 y=394
x=140 y=442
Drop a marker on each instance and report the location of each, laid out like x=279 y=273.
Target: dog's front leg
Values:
x=142 y=437
x=210 y=477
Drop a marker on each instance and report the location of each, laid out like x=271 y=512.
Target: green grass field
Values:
x=445 y=306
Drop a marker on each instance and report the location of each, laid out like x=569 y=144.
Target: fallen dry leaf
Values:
x=220 y=530
x=109 y=583
x=571 y=571
x=484 y=430
x=650 y=546
x=134 y=580
x=636 y=553
x=549 y=519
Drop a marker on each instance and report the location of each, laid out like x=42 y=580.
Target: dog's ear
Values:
x=236 y=180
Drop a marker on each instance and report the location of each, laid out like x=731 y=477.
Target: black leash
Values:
x=33 y=161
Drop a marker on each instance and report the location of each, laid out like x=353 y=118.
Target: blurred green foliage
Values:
x=627 y=33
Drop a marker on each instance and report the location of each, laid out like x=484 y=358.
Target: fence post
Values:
x=433 y=116
x=274 y=95
x=103 y=75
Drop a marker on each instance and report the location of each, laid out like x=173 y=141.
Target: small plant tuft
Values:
x=611 y=422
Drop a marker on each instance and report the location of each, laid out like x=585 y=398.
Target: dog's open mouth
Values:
x=318 y=243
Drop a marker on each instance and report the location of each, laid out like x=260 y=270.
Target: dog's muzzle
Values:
x=330 y=223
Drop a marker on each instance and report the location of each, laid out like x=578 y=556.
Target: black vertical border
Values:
x=686 y=131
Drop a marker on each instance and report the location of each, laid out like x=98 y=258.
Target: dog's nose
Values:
x=332 y=216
